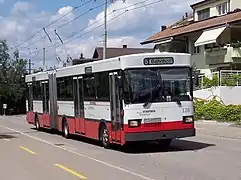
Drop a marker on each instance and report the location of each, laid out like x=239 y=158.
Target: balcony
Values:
x=220 y=55
x=235 y=52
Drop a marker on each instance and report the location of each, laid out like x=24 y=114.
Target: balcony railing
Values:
x=220 y=78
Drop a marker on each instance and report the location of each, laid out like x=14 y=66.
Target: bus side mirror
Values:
x=120 y=83
x=196 y=80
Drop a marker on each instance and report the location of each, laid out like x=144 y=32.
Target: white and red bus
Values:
x=138 y=97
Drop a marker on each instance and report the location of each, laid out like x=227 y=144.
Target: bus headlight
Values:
x=188 y=119
x=134 y=123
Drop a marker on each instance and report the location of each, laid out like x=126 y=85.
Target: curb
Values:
x=235 y=125
x=214 y=122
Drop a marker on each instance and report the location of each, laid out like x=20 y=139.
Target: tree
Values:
x=12 y=82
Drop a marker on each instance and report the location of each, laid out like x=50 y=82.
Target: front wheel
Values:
x=105 y=140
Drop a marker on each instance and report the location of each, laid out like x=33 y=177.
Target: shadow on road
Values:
x=141 y=147
x=176 y=146
x=6 y=136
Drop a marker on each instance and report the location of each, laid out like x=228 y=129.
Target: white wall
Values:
x=197 y=58
x=229 y=95
x=38 y=106
x=235 y=4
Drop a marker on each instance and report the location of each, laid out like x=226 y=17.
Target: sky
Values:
x=81 y=30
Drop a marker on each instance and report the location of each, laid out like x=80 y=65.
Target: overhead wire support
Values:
x=51 y=23
x=126 y=10
x=89 y=10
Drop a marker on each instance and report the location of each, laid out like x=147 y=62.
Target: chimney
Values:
x=81 y=56
x=124 y=46
x=186 y=15
x=163 y=27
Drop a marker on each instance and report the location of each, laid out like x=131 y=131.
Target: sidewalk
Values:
x=218 y=129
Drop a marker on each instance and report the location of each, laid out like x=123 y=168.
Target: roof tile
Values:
x=114 y=52
x=195 y=26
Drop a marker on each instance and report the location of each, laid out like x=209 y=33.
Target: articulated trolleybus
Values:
x=138 y=97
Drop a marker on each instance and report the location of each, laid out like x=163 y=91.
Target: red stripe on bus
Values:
x=163 y=126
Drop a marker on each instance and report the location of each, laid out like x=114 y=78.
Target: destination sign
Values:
x=158 y=61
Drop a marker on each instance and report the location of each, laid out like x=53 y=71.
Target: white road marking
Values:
x=6 y=139
x=79 y=154
x=70 y=148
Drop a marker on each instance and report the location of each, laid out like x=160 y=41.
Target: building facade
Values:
x=211 y=34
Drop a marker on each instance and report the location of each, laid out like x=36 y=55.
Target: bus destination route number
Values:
x=158 y=61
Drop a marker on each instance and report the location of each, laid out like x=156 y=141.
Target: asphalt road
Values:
x=27 y=154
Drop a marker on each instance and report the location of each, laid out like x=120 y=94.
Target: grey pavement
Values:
x=213 y=154
x=213 y=128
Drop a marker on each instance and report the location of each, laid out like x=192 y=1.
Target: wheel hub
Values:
x=105 y=136
x=65 y=130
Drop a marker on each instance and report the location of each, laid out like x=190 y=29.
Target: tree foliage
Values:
x=216 y=110
x=12 y=84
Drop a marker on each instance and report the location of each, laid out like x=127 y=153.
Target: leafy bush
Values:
x=216 y=110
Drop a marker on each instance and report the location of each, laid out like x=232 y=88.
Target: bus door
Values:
x=53 y=107
x=45 y=100
x=79 y=104
x=115 y=104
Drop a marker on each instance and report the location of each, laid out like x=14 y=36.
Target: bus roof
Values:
x=120 y=62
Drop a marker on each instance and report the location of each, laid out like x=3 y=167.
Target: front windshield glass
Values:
x=157 y=85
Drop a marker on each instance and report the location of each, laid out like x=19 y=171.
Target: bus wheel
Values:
x=165 y=143
x=37 y=125
x=104 y=137
x=65 y=129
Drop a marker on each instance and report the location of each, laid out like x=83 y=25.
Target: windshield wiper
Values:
x=155 y=91
x=178 y=101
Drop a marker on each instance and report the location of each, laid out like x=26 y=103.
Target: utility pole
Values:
x=29 y=66
x=105 y=29
x=44 y=59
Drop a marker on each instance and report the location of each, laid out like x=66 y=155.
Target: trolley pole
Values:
x=105 y=29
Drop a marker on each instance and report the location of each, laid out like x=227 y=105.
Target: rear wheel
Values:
x=65 y=129
x=104 y=137
x=37 y=125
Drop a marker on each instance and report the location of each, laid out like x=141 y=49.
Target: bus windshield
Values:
x=157 y=85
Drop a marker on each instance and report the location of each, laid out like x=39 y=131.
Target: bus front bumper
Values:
x=157 y=135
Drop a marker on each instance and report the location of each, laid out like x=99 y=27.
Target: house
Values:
x=110 y=53
x=80 y=60
x=114 y=52
x=211 y=34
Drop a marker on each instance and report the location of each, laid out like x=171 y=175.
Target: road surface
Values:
x=27 y=154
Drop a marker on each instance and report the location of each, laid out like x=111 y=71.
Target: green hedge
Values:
x=216 y=110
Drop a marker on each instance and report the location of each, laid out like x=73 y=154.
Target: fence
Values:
x=223 y=76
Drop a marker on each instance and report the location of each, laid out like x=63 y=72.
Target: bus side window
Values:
x=37 y=91
x=89 y=88
x=102 y=86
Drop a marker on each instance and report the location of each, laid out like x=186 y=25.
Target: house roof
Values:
x=195 y=26
x=201 y=3
x=114 y=52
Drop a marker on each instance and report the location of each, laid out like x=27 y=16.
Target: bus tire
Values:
x=104 y=137
x=65 y=128
x=37 y=125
